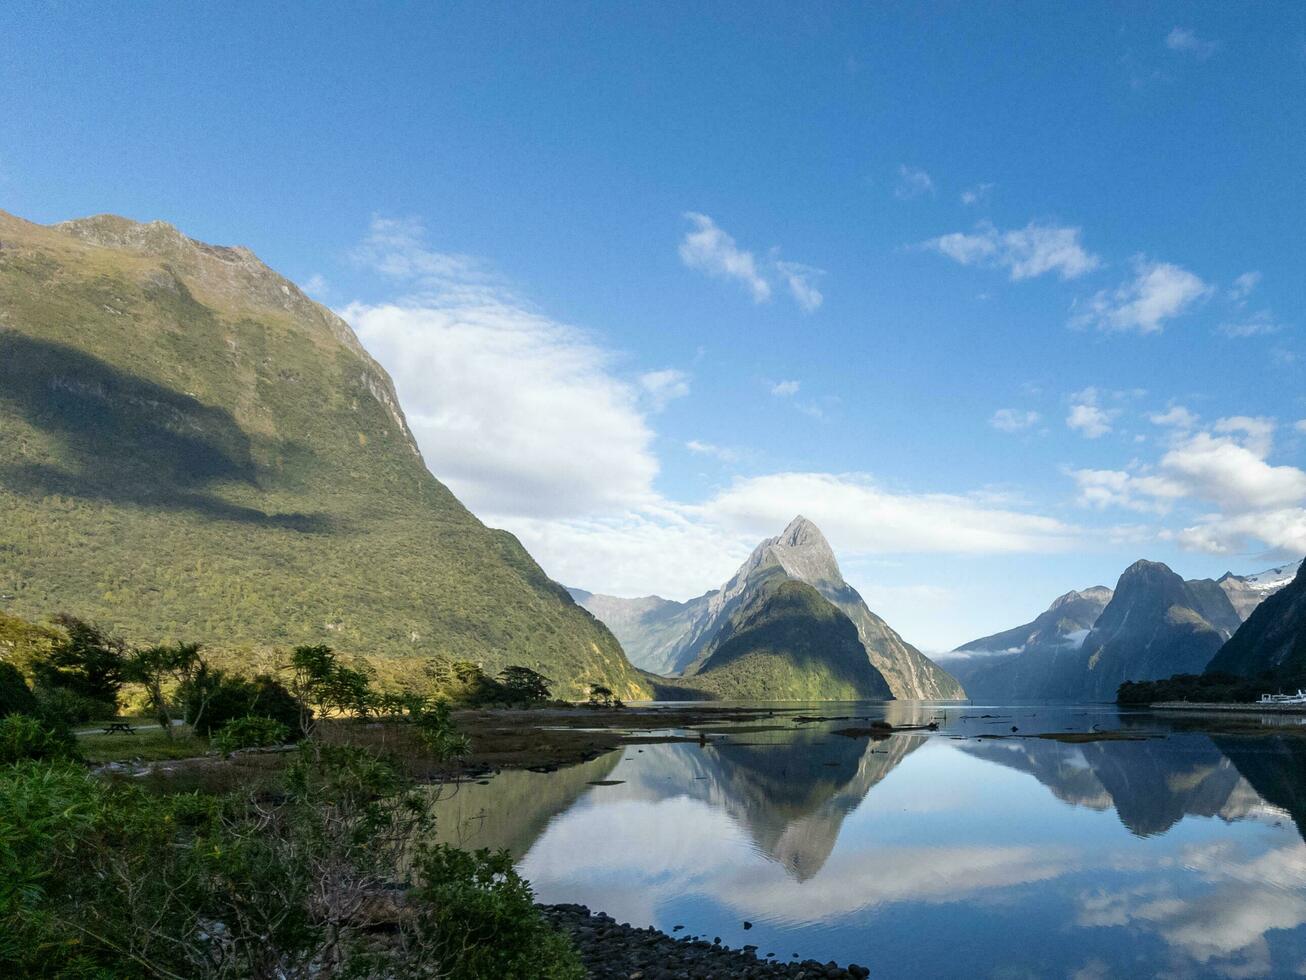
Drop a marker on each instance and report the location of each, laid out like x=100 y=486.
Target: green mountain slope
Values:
x=191 y=447
x=785 y=641
x=665 y=637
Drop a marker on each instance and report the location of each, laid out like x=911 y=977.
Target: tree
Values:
x=154 y=666
x=213 y=698
x=86 y=661
x=16 y=697
x=463 y=681
x=320 y=680
x=600 y=695
x=525 y=686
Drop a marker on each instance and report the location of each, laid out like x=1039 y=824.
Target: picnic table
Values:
x=119 y=726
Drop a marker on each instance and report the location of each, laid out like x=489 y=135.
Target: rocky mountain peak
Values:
x=802 y=551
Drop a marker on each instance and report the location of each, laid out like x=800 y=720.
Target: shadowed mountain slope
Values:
x=1021 y=663
x=1273 y=640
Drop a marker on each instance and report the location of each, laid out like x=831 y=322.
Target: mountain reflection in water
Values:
x=934 y=854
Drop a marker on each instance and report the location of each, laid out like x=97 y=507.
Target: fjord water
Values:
x=934 y=854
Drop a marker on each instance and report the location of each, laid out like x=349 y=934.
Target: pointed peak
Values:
x=801 y=531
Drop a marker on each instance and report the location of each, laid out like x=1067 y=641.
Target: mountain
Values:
x=1155 y=625
x=1150 y=785
x=1273 y=640
x=190 y=447
x=1020 y=663
x=786 y=642
x=668 y=637
x=1246 y=592
x=649 y=628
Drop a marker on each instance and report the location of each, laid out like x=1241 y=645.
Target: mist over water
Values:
x=970 y=851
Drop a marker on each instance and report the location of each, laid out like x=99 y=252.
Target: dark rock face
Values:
x=667 y=637
x=618 y=951
x=1153 y=625
x=1156 y=625
x=1273 y=640
x=1023 y=662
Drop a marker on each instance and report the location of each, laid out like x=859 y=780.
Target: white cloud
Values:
x=1025 y=252
x=664 y=386
x=517 y=413
x=1185 y=41
x=723 y=453
x=1300 y=425
x=1257 y=325
x=1013 y=419
x=1242 y=286
x=912 y=183
x=1158 y=292
x=710 y=250
x=1233 y=475
x=1282 y=531
x=396 y=247
x=868 y=519
x=316 y=286
x=784 y=389
x=1087 y=417
x=1176 y=416
x=1226 y=467
x=977 y=194
x=1101 y=489
x=801 y=280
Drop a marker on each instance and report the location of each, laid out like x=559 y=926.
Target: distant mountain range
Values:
x=752 y=617
x=192 y=448
x=1151 y=626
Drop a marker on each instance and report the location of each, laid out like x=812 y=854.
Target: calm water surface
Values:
x=941 y=854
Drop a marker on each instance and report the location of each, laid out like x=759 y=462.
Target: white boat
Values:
x=1298 y=698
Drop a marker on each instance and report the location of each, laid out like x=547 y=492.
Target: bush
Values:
x=85 y=660
x=60 y=706
x=479 y=917
x=105 y=880
x=464 y=682
x=250 y=732
x=23 y=737
x=16 y=697
x=213 y=700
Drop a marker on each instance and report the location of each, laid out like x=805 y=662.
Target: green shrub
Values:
x=15 y=696
x=103 y=880
x=23 y=737
x=61 y=706
x=85 y=660
x=216 y=698
x=250 y=732
x=479 y=917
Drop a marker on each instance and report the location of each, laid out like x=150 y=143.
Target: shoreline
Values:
x=1254 y=708
x=614 y=950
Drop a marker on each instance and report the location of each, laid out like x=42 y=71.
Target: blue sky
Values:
x=1002 y=302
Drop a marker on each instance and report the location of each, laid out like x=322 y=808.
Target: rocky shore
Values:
x=617 y=951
